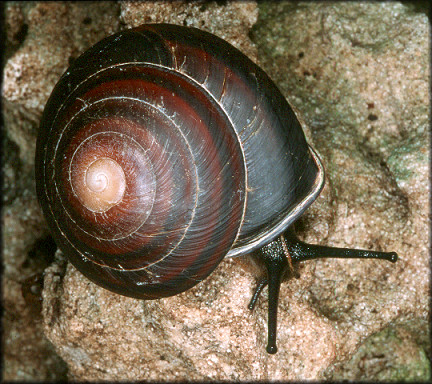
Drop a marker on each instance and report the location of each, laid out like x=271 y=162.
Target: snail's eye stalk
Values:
x=278 y=257
x=277 y=265
x=300 y=251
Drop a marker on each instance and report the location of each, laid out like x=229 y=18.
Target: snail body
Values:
x=163 y=150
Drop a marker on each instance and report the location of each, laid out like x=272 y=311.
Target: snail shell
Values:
x=162 y=150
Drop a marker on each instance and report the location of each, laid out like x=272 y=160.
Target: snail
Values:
x=161 y=151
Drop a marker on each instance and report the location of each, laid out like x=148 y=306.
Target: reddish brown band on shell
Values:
x=210 y=150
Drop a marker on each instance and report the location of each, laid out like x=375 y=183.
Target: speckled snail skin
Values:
x=162 y=150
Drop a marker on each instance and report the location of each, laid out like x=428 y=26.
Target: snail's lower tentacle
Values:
x=261 y=285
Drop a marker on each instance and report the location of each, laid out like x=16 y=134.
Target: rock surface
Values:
x=361 y=88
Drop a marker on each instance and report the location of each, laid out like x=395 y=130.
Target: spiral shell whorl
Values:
x=102 y=185
x=160 y=156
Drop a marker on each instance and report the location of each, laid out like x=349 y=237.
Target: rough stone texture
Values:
x=231 y=22
x=390 y=355
x=362 y=89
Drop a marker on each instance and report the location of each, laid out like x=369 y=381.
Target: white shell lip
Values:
x=266 y=237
